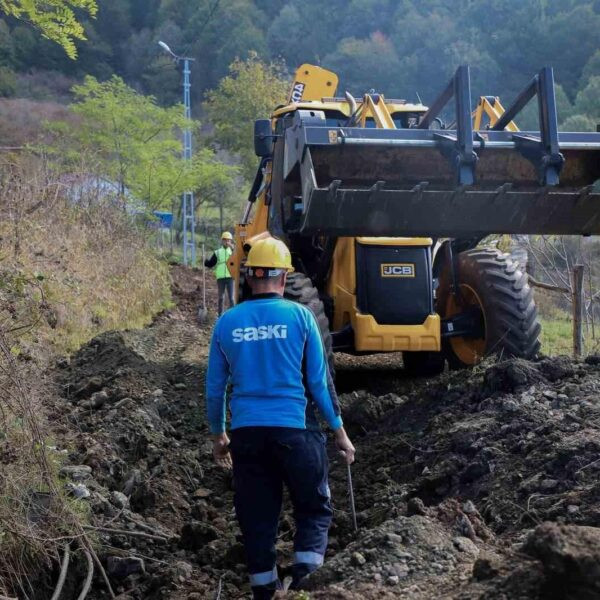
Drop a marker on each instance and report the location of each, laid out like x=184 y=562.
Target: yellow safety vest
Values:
x=221 y=270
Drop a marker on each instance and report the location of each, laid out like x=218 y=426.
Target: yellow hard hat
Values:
x=270 y=253
x=226 y=236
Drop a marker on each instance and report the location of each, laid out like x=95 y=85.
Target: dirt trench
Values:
x=472 y=485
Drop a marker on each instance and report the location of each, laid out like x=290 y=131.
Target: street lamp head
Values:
x=166 y=48
x=177 y=58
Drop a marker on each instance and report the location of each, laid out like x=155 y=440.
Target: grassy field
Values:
x=557 y=336
x=557 y=325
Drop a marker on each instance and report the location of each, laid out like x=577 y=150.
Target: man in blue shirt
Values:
x=270 y=350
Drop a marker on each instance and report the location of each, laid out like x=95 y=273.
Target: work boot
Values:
x=299 y=573
x=265 y=592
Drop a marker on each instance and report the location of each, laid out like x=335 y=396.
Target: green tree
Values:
x=25 y=44
x=578 y=123
x=251 y=91
x=7 y=48
x=587 y=101
x=398 y=46
x=294 y=36
x=8 y=82
x=162 y=79
x=135 y=143
x=365 y=64
x=54 y=18
x=591 y=68
x=529 y=118
x=571 y=39
x=224 y=196
x=144 y=13
x=360 y=18
x=564 y=108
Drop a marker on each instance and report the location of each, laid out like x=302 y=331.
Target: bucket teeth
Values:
x=444 y=182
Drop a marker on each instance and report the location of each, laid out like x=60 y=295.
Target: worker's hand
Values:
x=344 y=445
x=221 y=452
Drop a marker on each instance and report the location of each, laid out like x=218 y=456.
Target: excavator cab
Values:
x=385 y=207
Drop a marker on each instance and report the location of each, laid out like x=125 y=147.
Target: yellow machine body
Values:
x=313 y=89
x=370 y=336
x=339 y=173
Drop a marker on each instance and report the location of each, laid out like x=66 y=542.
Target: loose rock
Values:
x=122 y=567
x=76 y=472
x=119 y=499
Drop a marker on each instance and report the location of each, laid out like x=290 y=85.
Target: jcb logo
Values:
x=397 y=270
x=297 y=92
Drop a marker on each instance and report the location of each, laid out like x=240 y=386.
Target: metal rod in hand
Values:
x=351 y=493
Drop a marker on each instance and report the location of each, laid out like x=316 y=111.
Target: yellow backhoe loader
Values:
x=385 y=207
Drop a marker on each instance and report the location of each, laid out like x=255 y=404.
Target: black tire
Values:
x=510 y=315
x=423 y=364
x=300 y=288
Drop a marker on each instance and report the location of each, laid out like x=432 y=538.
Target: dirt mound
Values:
x=570 y=557
x=513 y=374
x=405 y=556
x=515 y=442
x=140 y=457
x=556 y=562
x=453 y=480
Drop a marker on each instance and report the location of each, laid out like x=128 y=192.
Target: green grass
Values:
x=556 y=336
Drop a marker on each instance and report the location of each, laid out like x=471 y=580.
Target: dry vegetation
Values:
x=35 y=517
x=70 y=267
x=22 y=120
x=68 y=271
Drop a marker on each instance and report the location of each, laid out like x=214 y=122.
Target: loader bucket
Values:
x=446 y=183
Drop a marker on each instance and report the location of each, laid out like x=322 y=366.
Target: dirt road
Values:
x=468 y=486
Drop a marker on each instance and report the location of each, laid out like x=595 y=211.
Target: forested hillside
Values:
x=401 y=47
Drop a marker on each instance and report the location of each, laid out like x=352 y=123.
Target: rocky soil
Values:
x=472 y=485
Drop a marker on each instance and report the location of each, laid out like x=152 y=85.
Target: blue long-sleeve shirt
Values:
x=270 y=350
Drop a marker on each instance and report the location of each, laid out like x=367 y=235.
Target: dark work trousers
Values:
x=264 y=459
x=225 y=284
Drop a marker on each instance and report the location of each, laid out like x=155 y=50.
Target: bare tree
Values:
x=559 y=263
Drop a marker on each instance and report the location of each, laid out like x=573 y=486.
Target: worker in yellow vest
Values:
x=219 y=260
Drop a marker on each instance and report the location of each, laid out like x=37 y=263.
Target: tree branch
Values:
x=547 y=286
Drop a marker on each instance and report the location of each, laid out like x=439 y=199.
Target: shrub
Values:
x=68 y=271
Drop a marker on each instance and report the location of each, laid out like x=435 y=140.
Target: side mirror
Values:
x=263 y=138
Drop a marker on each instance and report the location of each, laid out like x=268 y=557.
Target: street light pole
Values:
x=187 y=200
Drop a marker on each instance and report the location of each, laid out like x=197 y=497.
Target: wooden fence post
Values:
x=577 y=310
